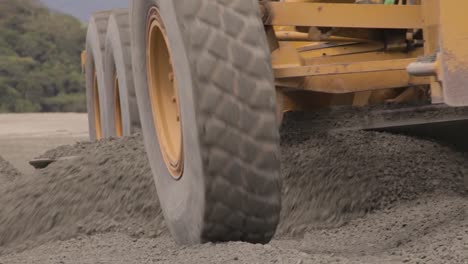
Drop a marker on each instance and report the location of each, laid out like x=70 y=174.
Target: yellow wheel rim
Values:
x=163 y=95
x=97 y=108
x=117 y=108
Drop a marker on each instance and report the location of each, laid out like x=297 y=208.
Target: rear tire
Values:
x=122 y=106
x=230 y=188
x=94 y=72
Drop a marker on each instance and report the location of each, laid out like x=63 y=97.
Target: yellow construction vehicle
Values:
x=208 y=81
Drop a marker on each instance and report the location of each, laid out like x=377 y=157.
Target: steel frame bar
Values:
x=353 y=82
x=342 y=68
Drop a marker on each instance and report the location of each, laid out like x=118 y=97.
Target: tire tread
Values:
x=251 y=149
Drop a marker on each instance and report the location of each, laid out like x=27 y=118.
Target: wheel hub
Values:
x=163 y=94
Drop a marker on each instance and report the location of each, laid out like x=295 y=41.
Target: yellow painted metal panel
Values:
x=431 y=42
x=345 y=15
x=454 y=51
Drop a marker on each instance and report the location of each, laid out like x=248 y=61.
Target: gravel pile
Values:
x=108 y=187
x=329 y=179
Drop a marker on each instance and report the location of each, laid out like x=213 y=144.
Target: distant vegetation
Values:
x=40 y=59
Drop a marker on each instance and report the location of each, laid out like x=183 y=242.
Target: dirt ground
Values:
x=23 y=136
x=348 y=197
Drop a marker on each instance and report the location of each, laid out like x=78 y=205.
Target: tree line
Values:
x=40 y=68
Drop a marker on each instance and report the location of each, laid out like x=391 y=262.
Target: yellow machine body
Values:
x=353 y=53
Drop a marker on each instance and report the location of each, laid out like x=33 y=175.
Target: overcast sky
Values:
x=84 y=8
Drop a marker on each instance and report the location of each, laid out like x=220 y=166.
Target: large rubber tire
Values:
x=118 y=63
x=231 y=188
x=95 y=43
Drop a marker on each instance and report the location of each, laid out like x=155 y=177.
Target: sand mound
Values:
x=78 y=148
x=109 y=187
x=7 y=171
x=328 y=179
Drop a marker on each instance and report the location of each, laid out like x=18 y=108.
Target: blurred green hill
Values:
x=40 y=59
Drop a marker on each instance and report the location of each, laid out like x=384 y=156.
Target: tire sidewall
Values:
x=182 y=201
x=114 y=62
x=94 y=62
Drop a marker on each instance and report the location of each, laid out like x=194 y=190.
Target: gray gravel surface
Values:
x=345 y=175
x=432 y=229
x=108 y=187
x=348 y=197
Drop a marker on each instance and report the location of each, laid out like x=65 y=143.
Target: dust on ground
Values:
x=351 y=197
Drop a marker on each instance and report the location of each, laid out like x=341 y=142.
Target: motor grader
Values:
x=207 y=83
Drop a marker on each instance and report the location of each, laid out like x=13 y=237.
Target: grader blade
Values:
x=438 y=122
x=441 y=123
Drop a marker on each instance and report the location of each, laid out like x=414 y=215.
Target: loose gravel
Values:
x=350 y=196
